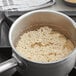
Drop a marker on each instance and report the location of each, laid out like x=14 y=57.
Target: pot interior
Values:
x=35 y=20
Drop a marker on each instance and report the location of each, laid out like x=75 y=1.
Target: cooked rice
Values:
x=44 y=45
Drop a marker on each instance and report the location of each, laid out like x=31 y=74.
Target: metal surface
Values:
x=5 y=54
x=61 y=6
x=4 y=40
x=11 y=63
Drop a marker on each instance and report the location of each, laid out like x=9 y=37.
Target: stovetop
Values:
x=6 y=19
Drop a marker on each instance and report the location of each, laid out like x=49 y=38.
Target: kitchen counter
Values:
x=60 y=6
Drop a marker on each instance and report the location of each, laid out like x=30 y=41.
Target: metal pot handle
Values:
x=9 y=64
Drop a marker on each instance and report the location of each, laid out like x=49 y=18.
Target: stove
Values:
x=6 y=19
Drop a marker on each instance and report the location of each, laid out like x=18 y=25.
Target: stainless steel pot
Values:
x=60 y=22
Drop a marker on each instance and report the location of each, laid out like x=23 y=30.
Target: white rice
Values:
x=44 y=45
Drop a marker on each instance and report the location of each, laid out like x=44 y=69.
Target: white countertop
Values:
x=60 y=6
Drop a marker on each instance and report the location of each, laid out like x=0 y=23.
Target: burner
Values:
x=5 y=49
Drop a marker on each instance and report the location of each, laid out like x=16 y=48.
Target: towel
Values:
x=24 y=5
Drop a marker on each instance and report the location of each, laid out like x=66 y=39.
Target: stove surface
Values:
x=72 y=73
x=6 y=19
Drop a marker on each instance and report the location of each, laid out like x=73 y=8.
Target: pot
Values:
x=60 y=22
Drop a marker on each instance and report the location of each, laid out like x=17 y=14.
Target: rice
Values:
x=44 y=45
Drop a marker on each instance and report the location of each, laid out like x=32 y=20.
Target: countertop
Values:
x=60 y=6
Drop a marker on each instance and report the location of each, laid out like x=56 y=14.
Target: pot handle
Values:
x=9 y=64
